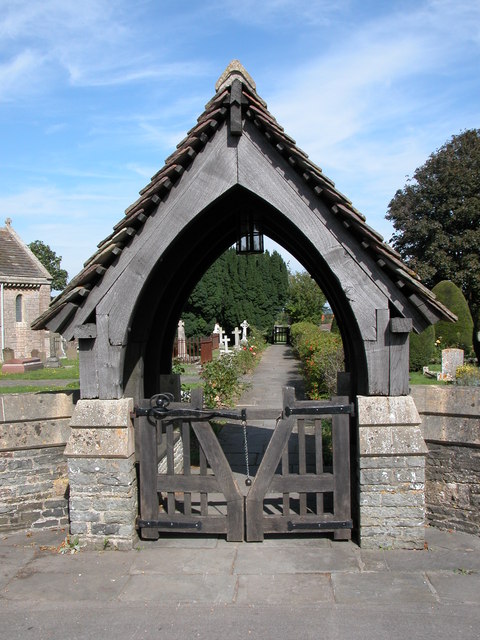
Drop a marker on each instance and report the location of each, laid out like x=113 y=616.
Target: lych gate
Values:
x=238 y=164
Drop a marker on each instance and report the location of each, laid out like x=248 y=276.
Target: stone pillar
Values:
x=101 y=469
x=391 y=473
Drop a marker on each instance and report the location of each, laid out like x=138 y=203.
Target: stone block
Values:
x=34 y=434
x=387 y=410
x=102 y=413
x=97 y=442
x=390 y=440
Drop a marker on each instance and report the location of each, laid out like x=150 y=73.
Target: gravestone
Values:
x=244 y=326
x=181 y=340
x=451 y=360
x=8 y=354
x=216 y=328
x=236 y=333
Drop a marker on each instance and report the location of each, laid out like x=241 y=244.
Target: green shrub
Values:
x=468 y=376
x=322 y=357
x=221 y=381
x=454 y=334
x=422 y=348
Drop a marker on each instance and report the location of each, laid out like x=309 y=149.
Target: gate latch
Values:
x=159 y=411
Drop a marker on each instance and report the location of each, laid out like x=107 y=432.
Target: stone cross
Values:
x=225 y=343
x=182 y=351
x=236 y=332
x=244 y=326
x=220 y=335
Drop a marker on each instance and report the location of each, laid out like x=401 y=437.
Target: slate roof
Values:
x=18 y=265
x=251 y=106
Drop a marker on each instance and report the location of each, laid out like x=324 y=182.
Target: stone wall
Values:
x=34 y=488
x=451 y=428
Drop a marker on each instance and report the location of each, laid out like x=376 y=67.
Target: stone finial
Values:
x=8 y=221
x=235 y=70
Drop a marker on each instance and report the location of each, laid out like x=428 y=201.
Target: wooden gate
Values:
x=295 y=490
x=200 y=495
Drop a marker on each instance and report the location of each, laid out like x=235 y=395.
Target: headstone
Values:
x=8 y=354
x=451 y=360
x=244 y=326
x=182 y=343
x=220 y=335
x=52 y=362
x=216 y=328
x=236 y=333
x=72 y=350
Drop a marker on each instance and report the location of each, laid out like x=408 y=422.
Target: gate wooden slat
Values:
x=302 y=463
x=341 y=468
x=203 y=474
x=148 y=475
x=285 y=472
x=319 y=460
x=303 y=484
x=189 y=484
x=170 y=468
x=187 y=498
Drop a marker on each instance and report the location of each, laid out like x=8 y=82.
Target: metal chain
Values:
x=248 y=480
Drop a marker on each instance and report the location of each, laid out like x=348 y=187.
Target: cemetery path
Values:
x=278 y=368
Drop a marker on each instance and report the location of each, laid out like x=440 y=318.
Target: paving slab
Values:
x=439 y=560
x=185 y=561
x=190 y=589
x=254 y=558
x=54 y=586
x=381 y=588
x=456 y=587
x=284 y=589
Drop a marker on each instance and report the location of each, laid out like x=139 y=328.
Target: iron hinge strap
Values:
x=327 y=409
x=168 y=524
x=323 y=524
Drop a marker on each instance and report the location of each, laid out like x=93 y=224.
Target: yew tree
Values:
x=436 y=217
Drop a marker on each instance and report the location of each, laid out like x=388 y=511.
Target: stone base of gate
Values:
x=391 y=473
x=102 y=475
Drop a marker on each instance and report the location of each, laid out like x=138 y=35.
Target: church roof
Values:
x=236 y=98
x=18 y=265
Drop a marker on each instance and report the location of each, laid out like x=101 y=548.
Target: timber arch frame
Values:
x=125 y=304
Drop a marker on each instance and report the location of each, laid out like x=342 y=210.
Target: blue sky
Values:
x=94 y=95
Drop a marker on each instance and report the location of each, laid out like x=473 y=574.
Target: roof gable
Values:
x=235 y=103
x=18 y=265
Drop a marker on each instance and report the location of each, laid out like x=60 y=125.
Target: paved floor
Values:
x=208 y=588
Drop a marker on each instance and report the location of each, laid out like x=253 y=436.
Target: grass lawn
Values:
x=43 y=389
x=68 y=371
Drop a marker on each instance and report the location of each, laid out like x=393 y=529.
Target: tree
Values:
x=454 y=334
x=51 y=262
x=236 y=288
x=306 y=300
x=436 y=217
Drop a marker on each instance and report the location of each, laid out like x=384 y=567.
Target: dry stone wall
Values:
x=34 y=488
x=451 y=428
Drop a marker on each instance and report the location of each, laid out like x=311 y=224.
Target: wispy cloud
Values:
x=365 y=110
